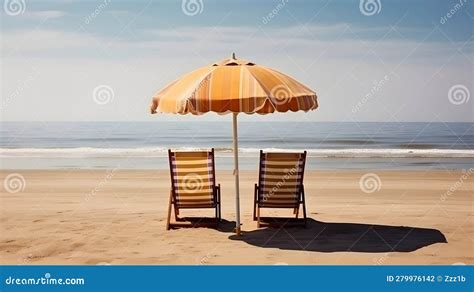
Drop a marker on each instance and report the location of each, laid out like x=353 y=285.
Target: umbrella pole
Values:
x=236 y=173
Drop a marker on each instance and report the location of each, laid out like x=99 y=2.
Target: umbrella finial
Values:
x=233 y=56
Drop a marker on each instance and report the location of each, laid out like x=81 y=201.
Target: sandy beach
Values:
x=118 y=217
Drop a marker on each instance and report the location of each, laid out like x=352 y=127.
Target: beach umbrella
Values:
x=234 y=86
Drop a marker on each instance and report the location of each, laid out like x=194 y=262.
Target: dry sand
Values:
x=104 y=217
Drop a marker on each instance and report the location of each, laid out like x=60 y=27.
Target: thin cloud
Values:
x=46 y=14
x=207 y=42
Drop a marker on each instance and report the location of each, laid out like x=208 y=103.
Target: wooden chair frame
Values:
x=301 y=201
x=173 y=201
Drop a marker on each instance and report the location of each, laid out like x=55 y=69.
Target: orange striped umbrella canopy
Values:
x=234 y=86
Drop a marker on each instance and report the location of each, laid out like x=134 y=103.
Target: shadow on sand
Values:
x=336 y=237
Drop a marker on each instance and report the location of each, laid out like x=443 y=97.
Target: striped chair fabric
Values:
x=193 y=179
x=281 y=177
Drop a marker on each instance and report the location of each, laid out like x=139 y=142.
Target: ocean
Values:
x=144 y=145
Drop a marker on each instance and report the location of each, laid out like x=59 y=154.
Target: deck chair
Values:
x=193 y=184
x=280 y=185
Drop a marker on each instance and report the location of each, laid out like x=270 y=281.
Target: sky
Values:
x=368 y=60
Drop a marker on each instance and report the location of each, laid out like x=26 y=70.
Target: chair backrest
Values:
x=192 y=178
x=281 y=179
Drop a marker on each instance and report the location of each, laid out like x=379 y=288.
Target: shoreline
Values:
x=247 y=163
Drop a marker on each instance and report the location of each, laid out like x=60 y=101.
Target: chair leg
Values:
x=217 y=192
x=220 y=210
x=304 y=213
x=258 y=217
x=297 y=211
x=220 y=215
x=304 y=207
x=169 y=211
x=255 y=202
x=217 y=213
x=254 y=211
x=176 y=213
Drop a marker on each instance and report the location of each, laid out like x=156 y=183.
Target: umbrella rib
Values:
x=197 y=88
x=264 y=90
